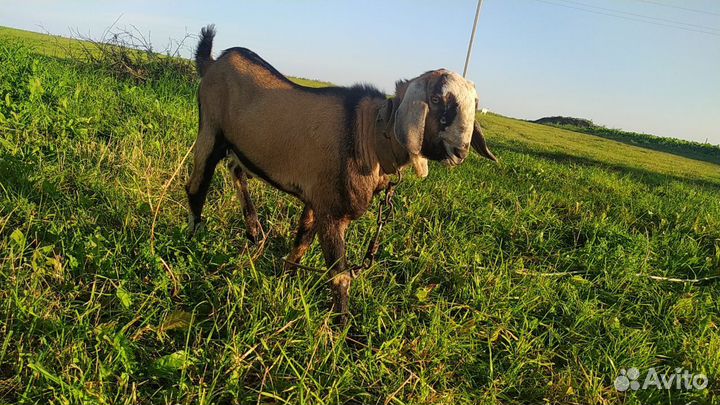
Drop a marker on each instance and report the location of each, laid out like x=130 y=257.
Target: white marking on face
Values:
x=459 y=133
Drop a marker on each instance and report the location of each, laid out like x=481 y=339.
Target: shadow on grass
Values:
x=695 y=151
x=650 y=178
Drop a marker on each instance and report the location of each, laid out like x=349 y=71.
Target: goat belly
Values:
x=250 y=167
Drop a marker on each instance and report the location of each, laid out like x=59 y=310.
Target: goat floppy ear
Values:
x=478 y=143
x=410 y=117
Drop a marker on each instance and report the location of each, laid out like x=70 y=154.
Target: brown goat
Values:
x=333 y=148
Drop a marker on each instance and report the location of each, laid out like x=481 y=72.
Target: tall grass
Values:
x=523 y=282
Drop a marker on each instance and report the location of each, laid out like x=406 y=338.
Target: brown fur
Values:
x=294 y=137
x=297 y=141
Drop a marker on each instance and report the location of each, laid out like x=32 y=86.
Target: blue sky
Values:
x=532 y=58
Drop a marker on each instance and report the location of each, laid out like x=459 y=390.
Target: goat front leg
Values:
x=307 y=228
x=253 y=229
x=332 y=240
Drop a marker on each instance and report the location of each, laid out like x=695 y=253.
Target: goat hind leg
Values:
x=253 y=229
x=209 y=150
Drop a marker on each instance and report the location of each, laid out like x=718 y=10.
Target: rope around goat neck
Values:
x=382 y=219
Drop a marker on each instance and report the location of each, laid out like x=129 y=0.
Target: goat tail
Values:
x=203 y=53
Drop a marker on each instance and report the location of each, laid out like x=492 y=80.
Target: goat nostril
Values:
x=461 y=153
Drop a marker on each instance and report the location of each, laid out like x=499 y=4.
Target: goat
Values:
x=333 y=148
x=484 y=111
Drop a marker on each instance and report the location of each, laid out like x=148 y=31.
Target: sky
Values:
x=622 y=63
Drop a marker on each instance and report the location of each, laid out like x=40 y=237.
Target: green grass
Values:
x=47 y=45
x=522 y=282
x=690 y=149
x=571 y=147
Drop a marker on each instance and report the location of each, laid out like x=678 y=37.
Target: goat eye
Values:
x=443 y=120
x=435 y=99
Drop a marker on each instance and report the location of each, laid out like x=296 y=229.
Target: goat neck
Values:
x=390 y=154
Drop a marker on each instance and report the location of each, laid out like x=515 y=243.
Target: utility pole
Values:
x=472 y=38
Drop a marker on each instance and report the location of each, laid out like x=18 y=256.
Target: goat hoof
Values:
x=253 y=232
x=342 y=314
x=288 y=267
x=342 y=320
x=290 y=264
x=195 y=226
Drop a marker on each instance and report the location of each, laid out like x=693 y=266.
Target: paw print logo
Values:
x=627 y=380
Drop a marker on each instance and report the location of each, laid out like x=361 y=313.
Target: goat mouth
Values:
x=451 y=162
x=451 y=159
x=437 y=151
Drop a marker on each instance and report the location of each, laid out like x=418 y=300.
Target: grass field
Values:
x=693 y=150
x=529 y=281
